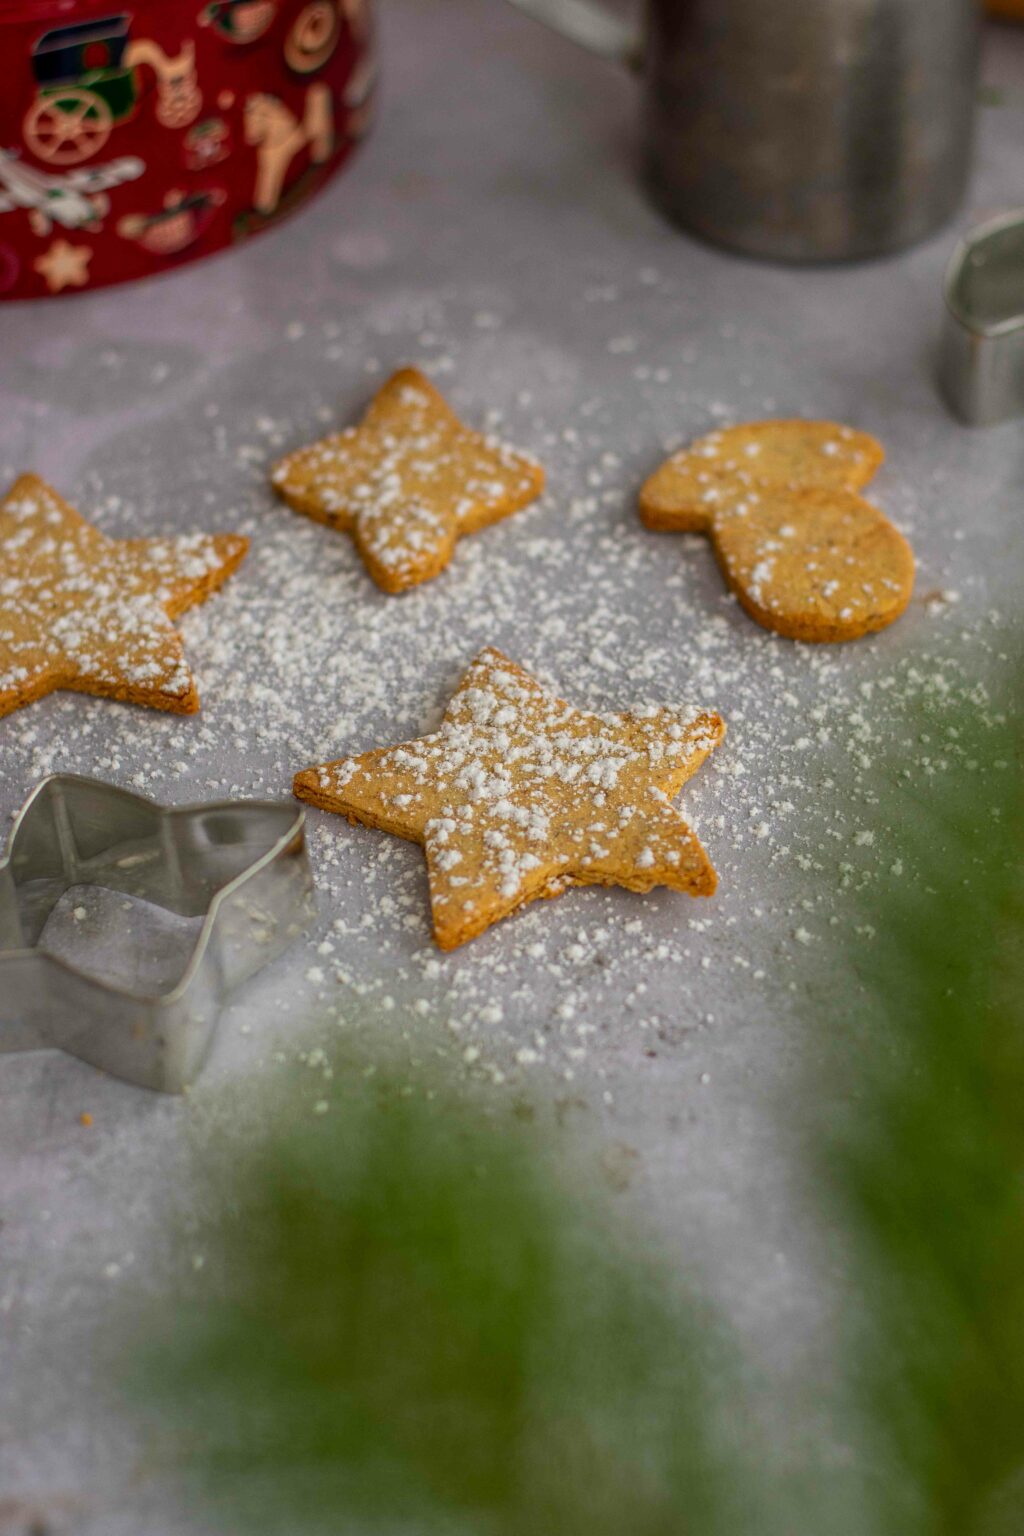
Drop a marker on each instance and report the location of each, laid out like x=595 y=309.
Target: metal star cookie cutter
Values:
x=981 y=365
x=241 y=866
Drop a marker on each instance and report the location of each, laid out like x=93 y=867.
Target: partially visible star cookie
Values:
x=407 y=482
x=82 y=611
x=519 y=795
x=806 y=556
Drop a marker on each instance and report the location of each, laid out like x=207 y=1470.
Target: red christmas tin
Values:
x=134 y=141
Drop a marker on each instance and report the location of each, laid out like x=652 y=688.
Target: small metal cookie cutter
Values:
x=981 y=366
x=239 y=865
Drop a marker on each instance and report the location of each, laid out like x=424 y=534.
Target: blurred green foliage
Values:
x=407 y=1325
x=418 y=1329
x=927 y=1162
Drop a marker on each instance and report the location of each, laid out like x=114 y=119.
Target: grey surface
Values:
x=492 y=230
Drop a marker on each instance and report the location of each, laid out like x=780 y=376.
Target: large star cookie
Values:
x=80 y=610
x=408 y=482
x=518 y=795
x=806 y=556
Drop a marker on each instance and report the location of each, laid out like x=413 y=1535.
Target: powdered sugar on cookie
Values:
x=408 y=482
x=519 y=795
x=724 y=464
x=81 y=611
x=805 y=555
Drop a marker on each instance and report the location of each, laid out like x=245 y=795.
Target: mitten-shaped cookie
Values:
x=806 y=556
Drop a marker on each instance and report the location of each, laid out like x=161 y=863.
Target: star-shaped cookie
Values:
x=519 y=795
x=806 y=556
x=408 y=482
x=82 y=611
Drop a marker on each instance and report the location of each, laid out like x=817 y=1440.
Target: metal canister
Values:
x=814 y=132
x=803 y=130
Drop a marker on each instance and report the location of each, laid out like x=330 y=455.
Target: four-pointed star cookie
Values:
x=80 y=610
x=519 y=795
x=408 y=482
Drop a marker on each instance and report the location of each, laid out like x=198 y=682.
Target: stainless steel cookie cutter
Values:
x=239 y=865
x=981 y=366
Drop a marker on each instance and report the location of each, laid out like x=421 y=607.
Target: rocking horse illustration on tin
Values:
x=277 y=135
x=87 y=79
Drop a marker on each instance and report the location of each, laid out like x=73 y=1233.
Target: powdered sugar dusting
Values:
x=83 y=611
x=408 y=481
x=300 y=659
x=519 y=793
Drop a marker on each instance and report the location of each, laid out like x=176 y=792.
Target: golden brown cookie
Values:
x=82 y=611
x=806 y=556
x=407 y=482
x=683 y=494
x=518 y=796
x=814 y=565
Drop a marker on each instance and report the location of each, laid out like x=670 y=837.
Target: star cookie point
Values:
x=92 y=614
x=408 y=482
x=518 y=796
